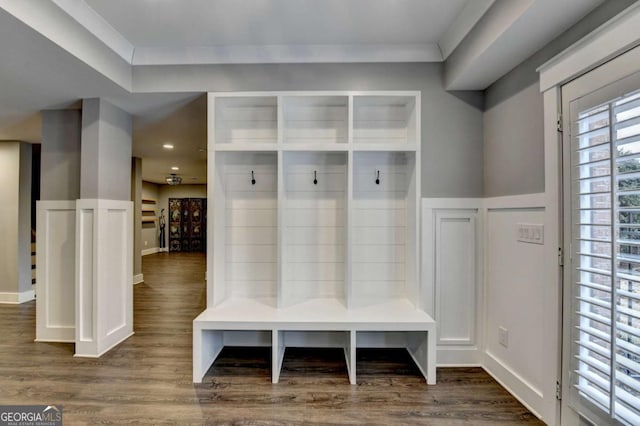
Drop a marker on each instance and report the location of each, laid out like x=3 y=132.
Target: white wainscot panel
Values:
x=104 y=273
x=455 y=274
x=452 y=276
x=55 y=275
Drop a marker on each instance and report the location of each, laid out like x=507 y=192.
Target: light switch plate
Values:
x=532 y=233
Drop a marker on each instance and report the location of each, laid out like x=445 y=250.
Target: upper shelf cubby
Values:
x=384 y=120
x=315 y=119
x=246 y=120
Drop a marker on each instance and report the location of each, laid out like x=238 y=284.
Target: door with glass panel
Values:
x=601 y=155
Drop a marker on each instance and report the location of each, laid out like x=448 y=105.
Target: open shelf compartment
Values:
x=314 y=223
x=246 y=120
x=316 y=120
x=384 y=233
x=245 y=226
x=384 y=120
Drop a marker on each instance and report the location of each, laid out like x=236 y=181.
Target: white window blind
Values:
x=605 y=179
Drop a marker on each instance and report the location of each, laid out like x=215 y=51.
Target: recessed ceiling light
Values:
x=167 y=146
x=175 y=168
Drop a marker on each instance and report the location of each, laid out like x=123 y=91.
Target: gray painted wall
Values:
x=136 y=197
x=60 y=163
x=106 y=151
x=149 y=233
x=10 y=172
x=513 y=119
x=451 y=122
x=24 y=219
x=15 y=217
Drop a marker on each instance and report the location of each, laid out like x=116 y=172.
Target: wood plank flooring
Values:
x=147 y=379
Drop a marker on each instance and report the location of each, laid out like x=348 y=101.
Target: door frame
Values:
x=617 y=36
x=609 y=81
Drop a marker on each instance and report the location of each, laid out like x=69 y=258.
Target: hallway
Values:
x=147 y=379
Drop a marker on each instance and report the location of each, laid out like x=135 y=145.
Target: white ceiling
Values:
x=56 y=52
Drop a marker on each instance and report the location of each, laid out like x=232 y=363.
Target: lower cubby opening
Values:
x=291 y=340
x=313 y=365
x=242 y=361
x=374 y=364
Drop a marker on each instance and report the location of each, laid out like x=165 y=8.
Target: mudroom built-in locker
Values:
x=314 y=227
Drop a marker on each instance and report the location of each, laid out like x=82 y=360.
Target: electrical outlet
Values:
x=145 y=243
x=532 y=233
x=503 y=336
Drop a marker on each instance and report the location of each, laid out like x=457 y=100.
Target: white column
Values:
x=104 y=231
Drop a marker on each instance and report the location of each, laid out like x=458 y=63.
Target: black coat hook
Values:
x=378 y=178
x=253 y=179
x=315 y=178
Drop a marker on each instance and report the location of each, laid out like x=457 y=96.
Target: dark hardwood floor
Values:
x=147 y=379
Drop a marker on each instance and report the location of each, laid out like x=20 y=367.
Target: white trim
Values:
x=519 y=388
x=137 y=279
x=14 y=298
x=553 y=240
x=104 y=351
x=459 y=356
x=151 y=250
x=286 y=53
x=213 y=95
x=524 y=201
x=452 y=203
x=616 y=36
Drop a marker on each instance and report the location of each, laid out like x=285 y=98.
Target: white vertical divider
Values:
x=417 y=206
x=214 y=287
x=414 y=212
x=277 y=354
x=351 y=360
x=280 y=287
x=348 y=287
x=217 y=226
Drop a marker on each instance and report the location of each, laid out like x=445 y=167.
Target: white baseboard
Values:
x=151 y=250
x=137 y=279
x=17 y=298
x=522 y=390
x=104 y=351
x=458 y=357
